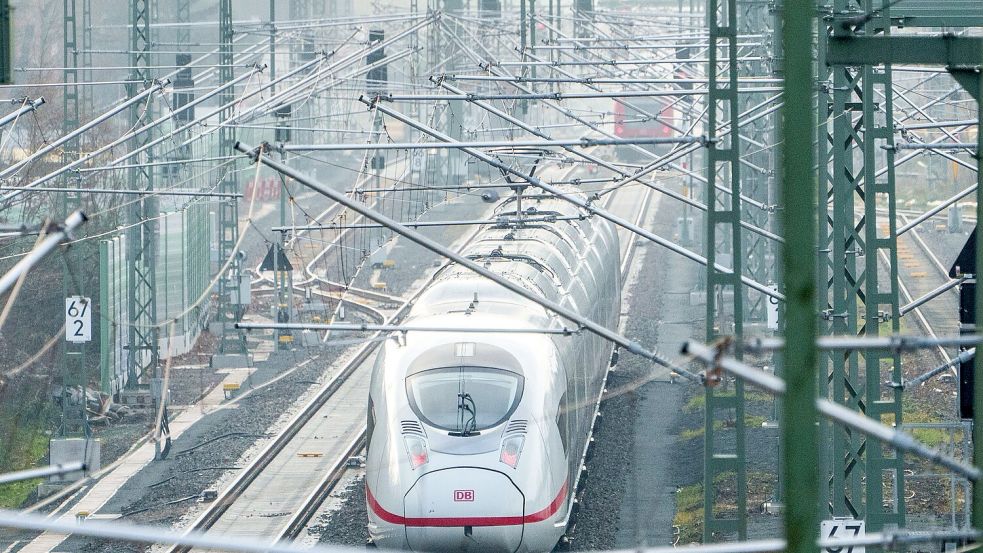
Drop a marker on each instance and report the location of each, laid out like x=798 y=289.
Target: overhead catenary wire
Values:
x=51 y=146
x=963 y=357
x=145 y=128
x=27 y=106
x=155 y=192
x=560 y=96
x=503 y=144
x=414 y=236
x=417 y=224
x=767 y=290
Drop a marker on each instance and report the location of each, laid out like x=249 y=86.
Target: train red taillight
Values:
x=416 y=449
x=511 y=449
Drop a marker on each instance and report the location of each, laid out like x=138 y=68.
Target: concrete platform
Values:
x=231 y=360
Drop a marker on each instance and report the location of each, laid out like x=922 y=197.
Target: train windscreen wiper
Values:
x=466 y=408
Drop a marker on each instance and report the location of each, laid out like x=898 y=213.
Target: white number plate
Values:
x=78 y=319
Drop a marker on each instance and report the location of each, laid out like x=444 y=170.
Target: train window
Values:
x=464 y=400
x=561 y=423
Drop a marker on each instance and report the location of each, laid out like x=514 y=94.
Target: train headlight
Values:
x=511 y=449
x=416 y=448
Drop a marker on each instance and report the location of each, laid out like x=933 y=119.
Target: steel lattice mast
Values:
x=74 y=419
x=853 y=298
x=724 y=465
x=141 y=237
x=231 y=340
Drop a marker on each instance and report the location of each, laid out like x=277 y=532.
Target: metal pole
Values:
x=417 y=224
x=43 y=472
x=724 y=465
x=799 y=438
x=348 y=327
x=156 y=192
x=154 y=535
x=593 y=81
x=938 y=291
x=560 y=96
x=963 y=356
x=231 y=340
x=44 y=248
x=505 y=144
x=74 y=416
x=845 y=416
x=28 y=107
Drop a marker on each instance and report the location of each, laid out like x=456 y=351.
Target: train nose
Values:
x=464 y=509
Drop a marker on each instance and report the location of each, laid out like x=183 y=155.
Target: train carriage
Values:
x=475 y=440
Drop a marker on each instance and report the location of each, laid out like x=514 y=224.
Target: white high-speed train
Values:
x=475 y=440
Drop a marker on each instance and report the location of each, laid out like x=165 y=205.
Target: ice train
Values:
x=475 y=440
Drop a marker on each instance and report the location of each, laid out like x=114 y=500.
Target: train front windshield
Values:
x=464 y=400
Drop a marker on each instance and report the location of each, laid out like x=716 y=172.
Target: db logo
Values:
x=463 y=495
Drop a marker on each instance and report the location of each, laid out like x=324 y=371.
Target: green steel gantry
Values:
x=855 y=52
x=858 y=241
x=724 y=429
x=182 y=34
x=232 y=340
x=182 y=15
x=855 y=240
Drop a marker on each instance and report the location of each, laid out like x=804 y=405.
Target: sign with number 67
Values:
x=78 y=319
x=843 y=528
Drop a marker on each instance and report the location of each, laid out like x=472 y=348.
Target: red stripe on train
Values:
x=538 y=516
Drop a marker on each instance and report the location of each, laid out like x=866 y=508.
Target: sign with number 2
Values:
x=78 y=319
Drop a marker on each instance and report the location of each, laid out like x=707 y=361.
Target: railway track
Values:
x=248 y=476
x=919 y=272
x=277 y=452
